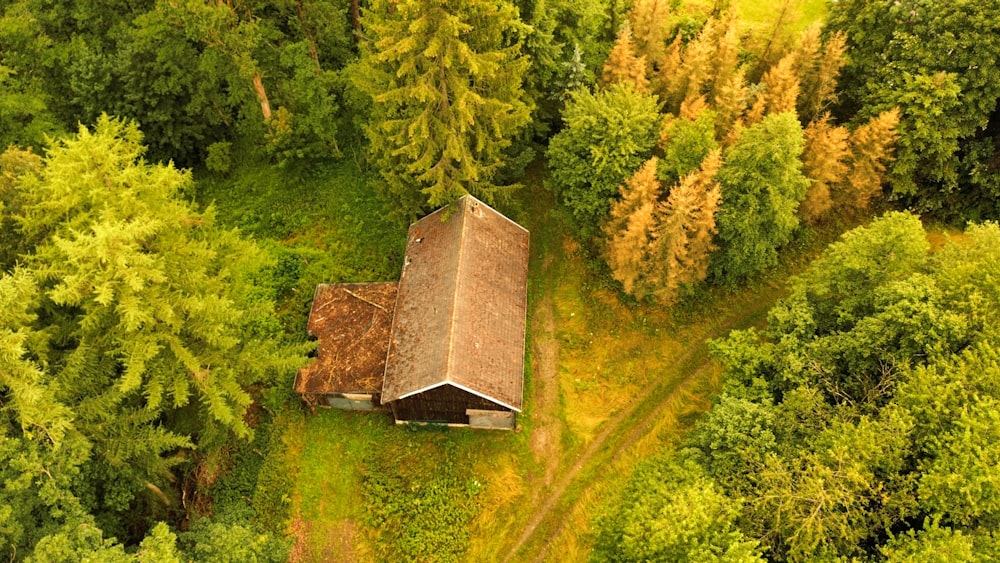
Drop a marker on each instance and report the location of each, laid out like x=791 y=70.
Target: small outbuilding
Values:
x=453 y=352
x=351 y=322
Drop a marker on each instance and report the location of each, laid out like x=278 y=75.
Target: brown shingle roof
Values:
x=351 y=322
x=460 y=312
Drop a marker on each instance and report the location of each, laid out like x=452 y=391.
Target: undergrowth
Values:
x=420 y=501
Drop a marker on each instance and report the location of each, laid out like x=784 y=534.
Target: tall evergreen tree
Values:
x=446 y=81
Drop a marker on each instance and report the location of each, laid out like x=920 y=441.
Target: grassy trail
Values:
x=655 y=408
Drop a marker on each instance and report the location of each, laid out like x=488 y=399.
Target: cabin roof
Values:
x=351 y=321
x=461 y=306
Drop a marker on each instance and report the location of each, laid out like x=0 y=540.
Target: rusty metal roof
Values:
x=460 y=311
x=351 y=322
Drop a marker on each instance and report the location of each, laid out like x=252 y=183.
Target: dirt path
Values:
x=655 y=399
x=546 y=435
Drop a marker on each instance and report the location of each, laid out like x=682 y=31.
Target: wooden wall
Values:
x=441 y=404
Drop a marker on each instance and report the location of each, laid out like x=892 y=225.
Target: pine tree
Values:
x=871 y=149
x=823 y=161
x=445 y=79
x=683 y=242
x=630 y=228
x=624 y=66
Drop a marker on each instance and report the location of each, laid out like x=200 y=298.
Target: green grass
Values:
x=761 y=14
x=320 y=206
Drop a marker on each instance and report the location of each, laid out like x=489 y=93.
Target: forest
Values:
x=764 y=288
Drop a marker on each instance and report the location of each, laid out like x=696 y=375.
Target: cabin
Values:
x=452 y=340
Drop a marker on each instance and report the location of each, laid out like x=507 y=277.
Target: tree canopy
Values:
x=132 y=330
x=861 y=422
x=936 y=62
x=446 y=99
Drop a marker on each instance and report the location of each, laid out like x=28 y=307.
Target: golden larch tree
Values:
x=683 y=242
x=780 y=86
x=630 y=228
x=623 y=65
x=823 y=161
x=667 y=69
x=818 y=69
x=730 y=102
x=871 y=149
x=695 y=70
x=651 y=29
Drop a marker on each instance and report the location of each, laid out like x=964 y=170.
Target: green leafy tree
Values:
x=672 y=512
x=606 y=138
x=932 y=544
x=868 y=404
x=446 y=84
x=762 y=186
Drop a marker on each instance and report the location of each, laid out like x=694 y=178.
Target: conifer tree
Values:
x=695 y=70
x=823 y=161
x=630 y=228
x=730 y=102
x=623 y=65
x=780 y=86
x=445 y=79
x=818 y=69
x=701 y=66
x=651 y=30
x=871 y=149
x=683 y=242
x=136 y=309
x=666 y=75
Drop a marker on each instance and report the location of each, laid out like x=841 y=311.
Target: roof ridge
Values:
x=463 y=212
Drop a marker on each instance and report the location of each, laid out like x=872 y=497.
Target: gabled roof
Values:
x=351 y=322
x=461 y=306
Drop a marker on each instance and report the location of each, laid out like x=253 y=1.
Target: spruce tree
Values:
x=445 y=79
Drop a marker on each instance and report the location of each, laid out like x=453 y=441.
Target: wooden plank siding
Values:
x=444 y=404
